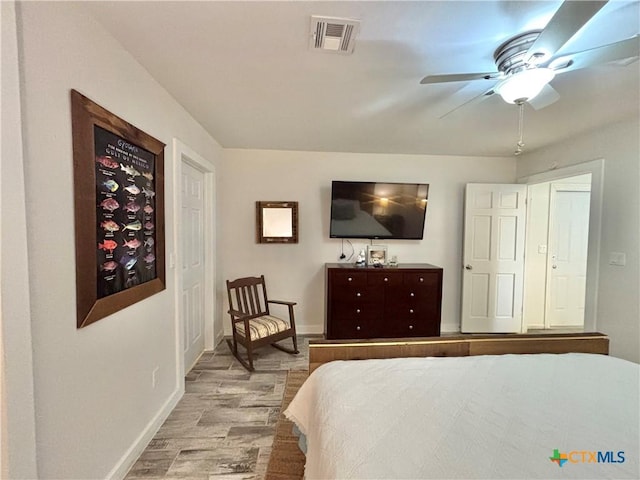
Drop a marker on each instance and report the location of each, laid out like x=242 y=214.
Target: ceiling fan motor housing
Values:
x=510 y=56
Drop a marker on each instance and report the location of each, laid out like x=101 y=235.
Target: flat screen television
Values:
x=378 y=210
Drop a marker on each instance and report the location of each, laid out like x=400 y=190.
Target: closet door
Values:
x=193 y=265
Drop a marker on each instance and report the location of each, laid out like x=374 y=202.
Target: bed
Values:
x=526 y=415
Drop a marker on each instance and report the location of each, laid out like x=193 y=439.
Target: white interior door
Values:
x=567 y=255
x=193 y=265
x=493 y=278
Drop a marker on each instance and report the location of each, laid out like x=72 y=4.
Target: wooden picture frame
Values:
x=277 y=222
x=119 y=212
x=376 y=255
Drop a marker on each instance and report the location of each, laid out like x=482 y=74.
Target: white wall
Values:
x=296 y=272
x=94 y=399
x=618 y=308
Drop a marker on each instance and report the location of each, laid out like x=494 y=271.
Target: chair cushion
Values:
x=262 y=326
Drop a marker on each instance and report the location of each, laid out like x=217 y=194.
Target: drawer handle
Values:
x=412 y=294
x=411 y=310
x=358 y=327
x=410 y=327
x=350 y=279
x=358 y=294
x=421 y=279
x=357 y=310
x=386 y=279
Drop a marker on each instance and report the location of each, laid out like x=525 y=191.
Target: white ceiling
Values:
x=245 y=72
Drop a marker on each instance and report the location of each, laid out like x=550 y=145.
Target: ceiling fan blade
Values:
x=595 y=56
x=478 y=98
x=567 y=20
x=546 y=97
x=458 y=77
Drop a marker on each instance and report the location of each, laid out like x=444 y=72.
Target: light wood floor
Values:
x=223 y=426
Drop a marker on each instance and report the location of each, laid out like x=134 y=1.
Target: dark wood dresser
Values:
x=368 y=302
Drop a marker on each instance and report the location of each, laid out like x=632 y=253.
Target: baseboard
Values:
x=309 y=329
x=218 y=339
x=119 y=471
x=450 y=328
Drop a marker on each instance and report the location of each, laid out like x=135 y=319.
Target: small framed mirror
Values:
x=277 y=222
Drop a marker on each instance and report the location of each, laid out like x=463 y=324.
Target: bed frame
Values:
x=323 y=351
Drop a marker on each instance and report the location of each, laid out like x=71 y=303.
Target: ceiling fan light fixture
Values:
x=524 y=85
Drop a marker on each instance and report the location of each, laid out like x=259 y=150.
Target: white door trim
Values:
x=182 y=153
x=596 y=169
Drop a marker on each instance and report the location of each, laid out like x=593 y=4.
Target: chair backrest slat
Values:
x=245 y=301
x=256 y=296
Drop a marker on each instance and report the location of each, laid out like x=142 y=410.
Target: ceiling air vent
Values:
x=333 y=35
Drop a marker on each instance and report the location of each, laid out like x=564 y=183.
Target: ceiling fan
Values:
x=527 y=62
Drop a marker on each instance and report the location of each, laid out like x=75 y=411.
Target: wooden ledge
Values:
x=323 y=351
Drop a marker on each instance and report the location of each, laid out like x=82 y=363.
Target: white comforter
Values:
x=470 y=417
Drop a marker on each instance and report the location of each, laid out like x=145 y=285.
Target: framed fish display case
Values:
x=119 y=212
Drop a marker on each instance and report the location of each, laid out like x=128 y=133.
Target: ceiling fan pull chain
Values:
x=520 y=144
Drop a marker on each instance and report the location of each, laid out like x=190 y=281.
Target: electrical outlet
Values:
x=154 y=377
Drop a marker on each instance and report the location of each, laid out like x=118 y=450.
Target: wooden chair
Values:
x=252 y=324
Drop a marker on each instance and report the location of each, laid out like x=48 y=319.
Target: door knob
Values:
x=468 y=267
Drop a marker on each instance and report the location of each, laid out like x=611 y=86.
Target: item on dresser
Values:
x=376 y=255
x=404 y=301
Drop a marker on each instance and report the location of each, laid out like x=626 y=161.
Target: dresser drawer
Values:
x=357 y=310
x=358 y=294
x=345 y=329
x=343 y=279
x=429 y=279
x=411 y=328
x=385 y=279
x=412 y=295
x=418 y=310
